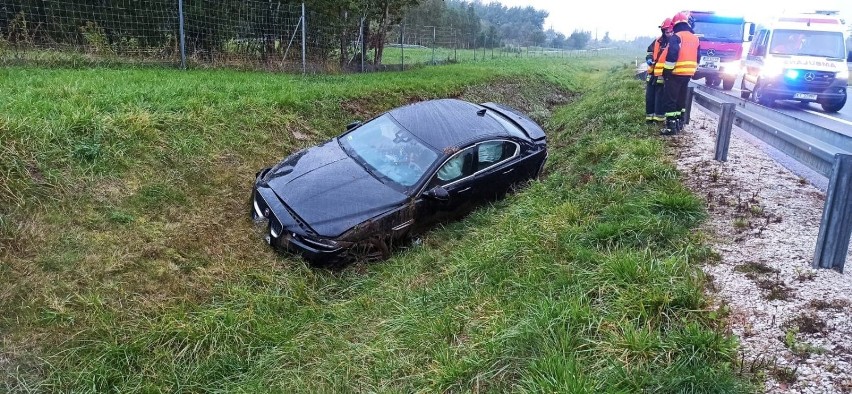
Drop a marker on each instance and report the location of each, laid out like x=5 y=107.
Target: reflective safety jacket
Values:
x=659 y=62
x=650 y=57
x=682 y=56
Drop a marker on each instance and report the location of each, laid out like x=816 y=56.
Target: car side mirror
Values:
x=749 y=32
x=353 y=125
x=438 y=193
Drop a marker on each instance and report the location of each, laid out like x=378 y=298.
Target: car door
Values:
x=455 y=175
x=496 y=169
x=754 y=60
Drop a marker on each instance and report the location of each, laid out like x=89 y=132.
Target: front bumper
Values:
x=284 y=231
x=793 y=86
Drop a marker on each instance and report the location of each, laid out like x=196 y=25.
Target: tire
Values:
x=744 y=93
x=833 y=106
x=761 y=98
x=711 y=81
x=728 y=83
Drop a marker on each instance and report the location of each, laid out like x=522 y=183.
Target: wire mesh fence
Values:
x=247 y=34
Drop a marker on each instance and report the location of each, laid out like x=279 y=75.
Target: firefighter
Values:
x=654 y=81
x=659 y=62
x=681 y=64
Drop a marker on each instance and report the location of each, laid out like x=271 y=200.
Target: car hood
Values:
x=328 y=190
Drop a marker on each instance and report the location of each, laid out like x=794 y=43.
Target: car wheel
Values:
x=744 y=93
x=833 y=106
x=728 y=83
x=761 y=97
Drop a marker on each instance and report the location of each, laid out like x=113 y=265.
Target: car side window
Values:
x=457 y=167
x=493 y=152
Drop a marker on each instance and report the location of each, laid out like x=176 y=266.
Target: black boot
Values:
x=671 y=127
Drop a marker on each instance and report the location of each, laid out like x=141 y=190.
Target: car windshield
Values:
x=725 y=32
x=808 y=43
x=389 y=151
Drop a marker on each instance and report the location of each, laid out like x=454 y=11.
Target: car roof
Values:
x=447 y=123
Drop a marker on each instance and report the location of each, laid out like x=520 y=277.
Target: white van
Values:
x=799 y=57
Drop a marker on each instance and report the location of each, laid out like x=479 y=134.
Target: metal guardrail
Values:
x=825 y=151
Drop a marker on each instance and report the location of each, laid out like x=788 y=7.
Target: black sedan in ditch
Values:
x=398 y=174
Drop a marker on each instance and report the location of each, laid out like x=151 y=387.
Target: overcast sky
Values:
x=637 y=18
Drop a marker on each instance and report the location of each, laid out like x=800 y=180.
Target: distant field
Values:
x=130 y=263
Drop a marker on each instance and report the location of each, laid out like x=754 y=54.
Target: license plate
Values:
x=805 y=96
x=710 y=62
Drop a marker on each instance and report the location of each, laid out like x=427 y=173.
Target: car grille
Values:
x=723 y=54
x=811 y=81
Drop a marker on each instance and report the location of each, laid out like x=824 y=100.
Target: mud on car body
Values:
x=396 y=175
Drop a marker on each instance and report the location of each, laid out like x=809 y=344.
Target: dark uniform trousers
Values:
x=675 y=96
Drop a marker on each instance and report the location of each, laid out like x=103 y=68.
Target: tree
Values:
x=579 y=39
x=606 y=39
x=558 y=41
x=387 y=12
x=538 y=38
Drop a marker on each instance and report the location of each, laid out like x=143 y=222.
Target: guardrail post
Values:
x=723 y=131
x=836 y=226
x=690 y=92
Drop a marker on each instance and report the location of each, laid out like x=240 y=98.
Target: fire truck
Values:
x=721 y=47
x=800 y=57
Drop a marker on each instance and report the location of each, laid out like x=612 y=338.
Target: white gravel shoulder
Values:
x=794 y=323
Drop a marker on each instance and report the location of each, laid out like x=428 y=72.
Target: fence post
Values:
x=474 y=46
x=304 y=40
x=836 y=226
x=433 y=45
x=723 y=131
x=182 y=36
x=402 y=45
x=690 y=92
x=363 y=43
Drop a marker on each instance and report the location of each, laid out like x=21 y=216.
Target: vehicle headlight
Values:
x=319 y=242
x=843 y=74
x=731 y=68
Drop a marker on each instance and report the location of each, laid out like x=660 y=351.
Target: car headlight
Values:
x=319 y=242
x=843 y=74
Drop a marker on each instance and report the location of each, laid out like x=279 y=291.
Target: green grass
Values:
x=130 y=263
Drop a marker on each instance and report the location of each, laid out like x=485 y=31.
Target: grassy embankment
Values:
x=130 y=264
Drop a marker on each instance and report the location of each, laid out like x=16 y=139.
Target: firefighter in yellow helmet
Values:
x=681 y=64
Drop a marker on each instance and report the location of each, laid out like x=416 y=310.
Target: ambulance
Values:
x=799 y=57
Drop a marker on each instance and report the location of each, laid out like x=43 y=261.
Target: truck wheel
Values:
x=728 y=83
x=833 y=106
x=711 y=81
x=744 y=93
